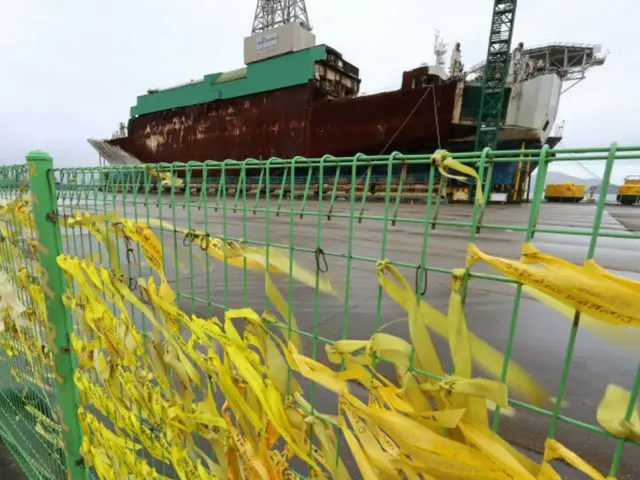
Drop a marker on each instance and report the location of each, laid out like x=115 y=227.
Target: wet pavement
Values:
x=627 y=216
x=9 y=469
x=541 y=335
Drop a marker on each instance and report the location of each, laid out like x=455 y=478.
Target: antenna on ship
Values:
x=439 y=49
x=274 y=13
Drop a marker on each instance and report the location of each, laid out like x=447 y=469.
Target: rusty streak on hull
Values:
x=294 y=121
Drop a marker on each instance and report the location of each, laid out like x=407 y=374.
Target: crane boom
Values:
x=273 y=13
x=495 y=74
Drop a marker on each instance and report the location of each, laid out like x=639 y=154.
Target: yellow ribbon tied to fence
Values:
x=255 y=259
x=443 y=161
x=612 y=412
x=589 y=289
x=165 y=178
x=189 y=381
x=483 y=354
x=399 y=433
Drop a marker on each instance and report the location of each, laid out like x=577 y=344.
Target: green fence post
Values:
x=43 y=191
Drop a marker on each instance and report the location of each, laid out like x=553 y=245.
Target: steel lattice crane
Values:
x=273 y=13
x=496 y=70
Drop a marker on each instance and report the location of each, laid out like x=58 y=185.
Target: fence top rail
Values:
x=14 y=166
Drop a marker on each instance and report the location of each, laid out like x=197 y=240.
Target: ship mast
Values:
x=273 y=13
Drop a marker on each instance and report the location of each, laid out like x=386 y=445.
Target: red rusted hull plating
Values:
x=290 y=122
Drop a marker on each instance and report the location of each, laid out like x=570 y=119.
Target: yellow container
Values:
x=564 y=192
x=629 y=192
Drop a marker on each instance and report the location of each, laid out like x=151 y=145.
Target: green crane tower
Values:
x=496 y=69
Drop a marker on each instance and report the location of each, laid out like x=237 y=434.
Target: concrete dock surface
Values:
x=541 y=334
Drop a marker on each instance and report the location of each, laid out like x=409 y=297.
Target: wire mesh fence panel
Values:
x=29 y=415
x=309 y=317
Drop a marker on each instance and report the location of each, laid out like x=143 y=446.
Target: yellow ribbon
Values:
x=443 y=161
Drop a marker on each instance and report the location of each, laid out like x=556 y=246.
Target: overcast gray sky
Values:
x=70 y=69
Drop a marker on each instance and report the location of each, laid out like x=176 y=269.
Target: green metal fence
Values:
x=30 y=420
x=327 y=227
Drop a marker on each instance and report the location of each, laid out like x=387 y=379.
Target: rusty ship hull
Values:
x=306 y=103
x=292 y=121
